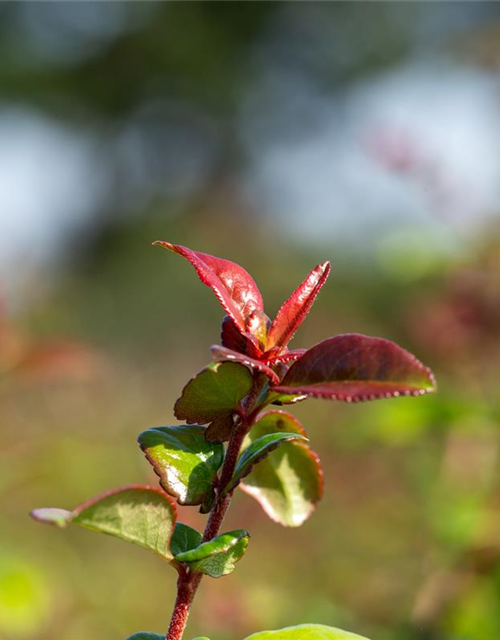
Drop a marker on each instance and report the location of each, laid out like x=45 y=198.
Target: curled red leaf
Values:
x=221 y=353
x=296 y=308
x=233 y=338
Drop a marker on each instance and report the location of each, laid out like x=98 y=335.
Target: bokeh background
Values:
x=276 y=135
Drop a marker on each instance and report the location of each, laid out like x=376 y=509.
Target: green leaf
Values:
x=214 y=396
x=289 y=482
x=217 y=557
x=184 y=539
x=306 y=632
x=257 y=451
x=285 y=398
x=146 y=635
x=137 y=514
x=185 y=462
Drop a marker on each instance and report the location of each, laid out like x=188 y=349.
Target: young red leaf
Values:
x=233 y=286
x=353 y=367
x=296 y=308
x=221 y=353
x=232 y=338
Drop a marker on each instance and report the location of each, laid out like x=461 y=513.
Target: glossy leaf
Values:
x=288 y=483
x=137 y=514
x=146 y=635
x=184 y=539
x=306 y=632
x=232 y=338
x=285 y=398
x=256 y=452
x=222 y=353
x=184 y=461
x=232 y=285
x=295 y=309
x=217 y=557
x=353 y=367
x=214 y=396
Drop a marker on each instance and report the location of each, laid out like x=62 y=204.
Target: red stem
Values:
x=189 y=582
x=186 y=588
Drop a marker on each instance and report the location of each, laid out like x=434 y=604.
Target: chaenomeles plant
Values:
x=267 y=452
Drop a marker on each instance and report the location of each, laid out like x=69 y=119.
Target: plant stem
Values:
x=186 y=588
x=188 y=581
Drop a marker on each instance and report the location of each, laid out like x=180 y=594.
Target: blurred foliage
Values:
x=404 y=545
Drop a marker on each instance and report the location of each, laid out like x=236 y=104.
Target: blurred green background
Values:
x=277 y=135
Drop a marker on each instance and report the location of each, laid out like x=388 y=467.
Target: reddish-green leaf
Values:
x=354 y=367
x=296 y=308
x=138 y=514
x=221 y=353
x=233 y=286
x=289 y=482
x=185 y=462
x=214 y=396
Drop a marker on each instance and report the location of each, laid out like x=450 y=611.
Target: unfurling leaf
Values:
x=306 y=632
x=258 y=325
x=296 y=308
x=146 y=635
x=256 y=452
x=214 y=396
x=142 y=515
x=217 y=557
x=232 y=338
x=223 y=354
x=184 y=539
x=353 y=367
x=233 y=286
x=185 y=462
x=289 y=482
